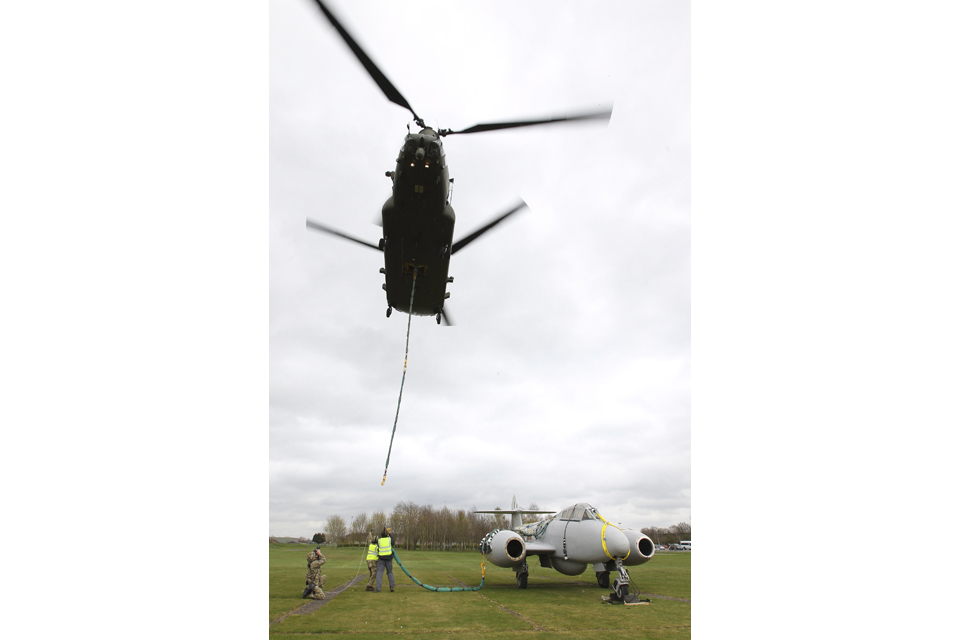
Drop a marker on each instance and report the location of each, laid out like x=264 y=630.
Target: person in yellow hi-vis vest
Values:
x=384 y=558
x=371 y=560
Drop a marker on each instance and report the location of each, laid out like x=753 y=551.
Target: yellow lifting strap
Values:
x=603 y=536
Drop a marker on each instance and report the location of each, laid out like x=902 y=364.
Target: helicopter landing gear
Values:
x=389 y=311
x=438 y=317
x=603 y=579
x=522 y=576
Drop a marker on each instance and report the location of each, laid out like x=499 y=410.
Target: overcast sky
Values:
x=567 y=375
x=141 y=309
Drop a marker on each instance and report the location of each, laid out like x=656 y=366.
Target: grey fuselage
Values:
x=581 y=540
x=569 y=541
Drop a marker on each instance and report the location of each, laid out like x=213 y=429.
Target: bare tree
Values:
x=680 y=531
x=398 y=522
x=427 y=526
x=377 y=522
x=531 y=517
x=358 y=528
x=461 y=529
x=445 y=527
x=405 y=523
x=480 y=525
x=336 y=528
x=500 y=521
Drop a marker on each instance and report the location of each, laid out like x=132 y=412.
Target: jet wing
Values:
x=537 y=548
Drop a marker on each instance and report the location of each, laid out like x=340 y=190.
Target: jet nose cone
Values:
x=617 y=544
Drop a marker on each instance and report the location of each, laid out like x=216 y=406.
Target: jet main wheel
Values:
x=522 y=580
x=603 y=579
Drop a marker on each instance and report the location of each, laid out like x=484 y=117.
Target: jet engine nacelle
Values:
x=504 y=548
x=641 y=547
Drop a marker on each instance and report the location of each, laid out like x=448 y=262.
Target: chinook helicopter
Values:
x=417 y=219
x=568 y=541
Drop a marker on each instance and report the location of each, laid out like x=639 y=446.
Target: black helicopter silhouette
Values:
x=418 y=220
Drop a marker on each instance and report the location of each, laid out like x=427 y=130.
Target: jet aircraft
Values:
x=568 y=541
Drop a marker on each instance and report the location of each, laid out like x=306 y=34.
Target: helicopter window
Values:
x=410 y=145
x=434 y=150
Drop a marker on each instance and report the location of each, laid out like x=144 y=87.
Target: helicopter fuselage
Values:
x=418 y=227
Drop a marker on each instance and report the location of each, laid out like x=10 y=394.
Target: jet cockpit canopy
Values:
x=578 y=512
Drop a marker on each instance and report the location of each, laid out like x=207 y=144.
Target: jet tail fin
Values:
x=515 y=513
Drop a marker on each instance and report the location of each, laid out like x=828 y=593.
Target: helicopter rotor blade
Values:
x=393 y=95
x=460 y=244
x=493 y=126
x=319 y=227
x=446 y=317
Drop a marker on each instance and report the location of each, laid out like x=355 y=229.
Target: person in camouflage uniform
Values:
x=315 y=581
x=371 y=560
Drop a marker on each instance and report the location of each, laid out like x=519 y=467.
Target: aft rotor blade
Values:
x=445 y=316
x=385 y=85
x=319 y=227
x=460 y=244
x=493 y=126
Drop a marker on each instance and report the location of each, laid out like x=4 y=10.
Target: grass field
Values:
x=553 y=605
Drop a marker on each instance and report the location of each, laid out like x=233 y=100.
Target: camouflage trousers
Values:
x=314 y=590
x=372 y=568
x=317 y=580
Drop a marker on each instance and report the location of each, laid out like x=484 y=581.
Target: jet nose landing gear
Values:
x=621 y=585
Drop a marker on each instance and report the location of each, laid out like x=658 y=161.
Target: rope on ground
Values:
x=483 y=577
x=405 y=355
x=363 y=557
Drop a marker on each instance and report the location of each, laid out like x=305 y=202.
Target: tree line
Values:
x=425 y=527
x=668 y=535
